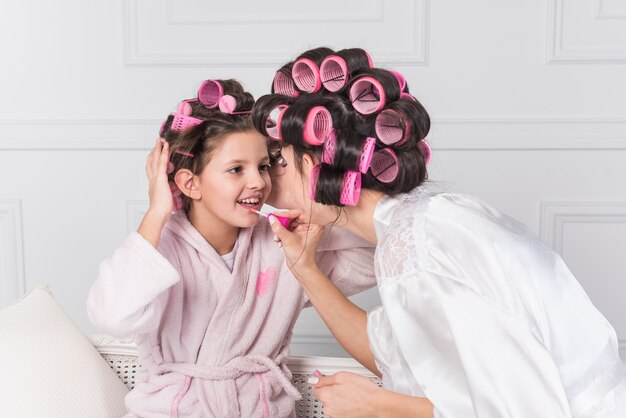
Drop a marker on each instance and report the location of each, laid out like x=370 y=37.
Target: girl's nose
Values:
x=256 y=181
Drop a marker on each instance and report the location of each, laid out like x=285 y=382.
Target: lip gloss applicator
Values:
x=283 y=221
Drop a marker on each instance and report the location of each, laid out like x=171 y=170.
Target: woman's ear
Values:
x=307 y=164
x=187 y=183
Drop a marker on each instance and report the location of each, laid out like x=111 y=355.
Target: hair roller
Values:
x=328 y=154
x=211 y=91
x=385 y=165
x=317 y=125
x=266 y=113
x=181 y=122
x=185 y=107
x=372 y=89
x=336 y=70
x=402 y=121
x=366 y=155
x=425 y=150
x=343 y=188
x=306 y=71
x=400 y=78
x=237 y=103
x=283 y=82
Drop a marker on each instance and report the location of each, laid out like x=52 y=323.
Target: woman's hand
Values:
x=161 y=201
x=299 y=241
x=349 y=395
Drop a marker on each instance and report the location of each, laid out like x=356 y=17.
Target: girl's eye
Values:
x=265 y=167
x=235 y=170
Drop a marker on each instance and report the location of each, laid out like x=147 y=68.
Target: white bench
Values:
x=121 y=355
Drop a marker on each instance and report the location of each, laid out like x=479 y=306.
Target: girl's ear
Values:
x=187 y=183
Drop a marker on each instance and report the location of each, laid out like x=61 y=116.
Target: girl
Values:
x=205 y=290
x=478 y=317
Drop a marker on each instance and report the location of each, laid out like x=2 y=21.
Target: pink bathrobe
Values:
x=214 y=343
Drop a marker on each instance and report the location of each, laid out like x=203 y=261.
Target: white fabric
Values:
x=229 y=259
x=484 y=319
x=49 y=368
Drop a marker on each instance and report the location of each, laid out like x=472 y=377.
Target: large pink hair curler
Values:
x=392 y=127
x=401 y=79
x=185 y=108
x=210 y=92
x=367 y=95
x=328 y=154
x=228 y=104
x=424 y=148
x=273 y=121
x=334 y=73
x=283 y=84
x=351 y=189
x=182 y=122
x=317 y=126
x=306 y=75
x=366 y=154
x=385 y=165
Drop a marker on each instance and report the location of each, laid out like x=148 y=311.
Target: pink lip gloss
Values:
x=283 y=221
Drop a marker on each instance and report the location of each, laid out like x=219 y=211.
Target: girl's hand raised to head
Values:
x=161 y=202
x=299 y=241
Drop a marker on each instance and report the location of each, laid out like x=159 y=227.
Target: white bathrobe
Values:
x=483 y=319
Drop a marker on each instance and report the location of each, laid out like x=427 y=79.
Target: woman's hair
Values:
x=194 y=131
x=374 y=106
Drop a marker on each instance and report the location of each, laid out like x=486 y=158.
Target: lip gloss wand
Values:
x=283 y=221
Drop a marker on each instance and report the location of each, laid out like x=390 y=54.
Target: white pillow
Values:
x=49 y=368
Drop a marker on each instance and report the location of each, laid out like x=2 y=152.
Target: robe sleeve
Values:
x=130 y=293
x=472 y=358
x=348 y=261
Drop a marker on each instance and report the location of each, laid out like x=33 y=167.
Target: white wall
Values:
x=528 y=101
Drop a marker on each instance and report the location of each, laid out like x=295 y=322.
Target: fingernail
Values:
x=317 y=373
x=275 y=238
x=271 y=219
x=313 y=380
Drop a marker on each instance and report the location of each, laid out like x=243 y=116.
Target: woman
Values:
x=478 y=317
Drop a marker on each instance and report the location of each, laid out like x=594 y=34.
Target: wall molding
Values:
x=446 y=134
x=557 y=53
x=256 y=57
x=556 y=215
x=363 y=11
x=11 y=252
x=602 y=13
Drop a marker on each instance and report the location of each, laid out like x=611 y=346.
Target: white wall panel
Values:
x=12 y=282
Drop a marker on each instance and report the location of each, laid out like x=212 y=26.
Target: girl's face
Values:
x=235 y=181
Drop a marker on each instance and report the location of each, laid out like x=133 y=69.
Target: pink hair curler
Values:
x=283 y=84
x=407 y=96
x=228 y=104
x=315 y=174
x=401 y=79
x=351 y=189
x=328 y=155
x=210 y=92
x=366 y=155
x=185 y=108
x=273 y=121
x=182 y=122
x=367 y=95
x=306 y=75
x=392 y=127
x=317 y=126
x=334 y=73
x=424 y=148
x=385 y=165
